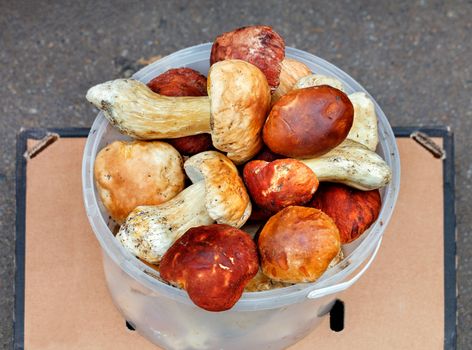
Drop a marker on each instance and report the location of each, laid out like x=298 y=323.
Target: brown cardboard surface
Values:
x=397 y=304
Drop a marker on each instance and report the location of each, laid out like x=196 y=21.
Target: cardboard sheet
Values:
x=397 y=304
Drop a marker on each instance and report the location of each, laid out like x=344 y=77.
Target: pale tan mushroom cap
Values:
x=130 y=174
x=239 y=103
x=292 y=70
x=227 y=201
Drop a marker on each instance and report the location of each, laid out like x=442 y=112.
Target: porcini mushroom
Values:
x=259 y=45
x=308 y=122
x=364 y=127
x=280 y=183
x=263 y=47
x=183 y=82
x=128 y=174
x=234 y=112
x=353 y=210
x=217 y=194
x=297 y=245
x=213 y=264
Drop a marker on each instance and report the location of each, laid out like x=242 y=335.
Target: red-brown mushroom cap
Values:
x=213 y=263
x=183 y=82
x=179 y=82
x=280 y=183
x=297 y=244
x=259 y=45
x=353 y=210
x=308 y=122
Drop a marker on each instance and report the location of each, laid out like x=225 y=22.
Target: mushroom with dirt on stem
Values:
x=217 y=194
x=234 y=111
x=353 y=164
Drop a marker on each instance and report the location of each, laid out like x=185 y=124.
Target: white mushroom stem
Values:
x=137 y=111
x=364 y=127
x=150 y=230
x=352 y=164
x=317 y=80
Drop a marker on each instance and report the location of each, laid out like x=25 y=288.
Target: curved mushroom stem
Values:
x=364 y=127
x=136 y=111
x=150 y=230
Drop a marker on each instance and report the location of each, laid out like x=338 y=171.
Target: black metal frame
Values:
x=450 y=298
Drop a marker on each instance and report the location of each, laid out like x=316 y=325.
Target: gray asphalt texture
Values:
x=414 y=57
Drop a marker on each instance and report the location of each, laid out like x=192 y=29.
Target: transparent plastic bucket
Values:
x=261 y=320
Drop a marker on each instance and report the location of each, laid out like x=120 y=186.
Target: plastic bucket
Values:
x=262 y=320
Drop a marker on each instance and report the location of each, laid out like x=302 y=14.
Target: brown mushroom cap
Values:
x=179 y=82
x=130 y=174
x=183 y=82
x=280 y=183
x=259 y=45
x=297 y=244
x=190 y=145
x=308 y=122
x=213 y=263
x=239 y=102
x=227 y=201
x=353 y=210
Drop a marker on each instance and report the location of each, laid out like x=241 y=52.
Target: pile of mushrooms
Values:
x=264 y=140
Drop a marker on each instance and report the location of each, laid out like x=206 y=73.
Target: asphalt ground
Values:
x=414 y=57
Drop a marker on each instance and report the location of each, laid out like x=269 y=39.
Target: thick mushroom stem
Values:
x=136 y=111
x=352 y=164
x=150 y=230
x=364 y=127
